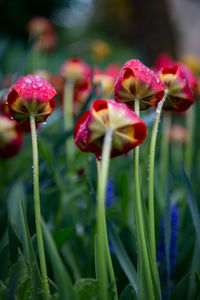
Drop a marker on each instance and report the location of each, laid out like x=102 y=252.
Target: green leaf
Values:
x=123 y=257
x=180 y=290
x=14 y=242
x=24 y=288
x=19 y=282
x=61 y=236
x=197 y=278
x=63 y=281
x=195 y=265
x=16 y=194
x=45 y=150
x=71 y=261
x=12 y=282
x=192 y=206
x=125 y=199
x=128 y=293
x=3 y=290
x=87 y=289
x=4 y=262
x=30 y=256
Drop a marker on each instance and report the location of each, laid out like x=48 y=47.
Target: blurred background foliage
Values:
x=145 y=24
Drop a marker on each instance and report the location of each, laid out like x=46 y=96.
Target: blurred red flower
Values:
x=10 y=139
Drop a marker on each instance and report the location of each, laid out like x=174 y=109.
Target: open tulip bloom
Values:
x=32 y=98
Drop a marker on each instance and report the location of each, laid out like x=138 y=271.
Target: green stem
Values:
x=190 y=120
x=68 y=116
x=152 y=242
x=139 y=218
x=103 y=247
x=164 y=158
x=37 y=208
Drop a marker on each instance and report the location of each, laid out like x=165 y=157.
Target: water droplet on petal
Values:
x=27 y=80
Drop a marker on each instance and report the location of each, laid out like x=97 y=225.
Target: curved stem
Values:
x=103 y=246
x=152 y=242
x=37 y=208
x=139 y=218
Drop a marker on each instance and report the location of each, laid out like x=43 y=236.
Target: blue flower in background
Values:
x=110 y=196
x=161 y=255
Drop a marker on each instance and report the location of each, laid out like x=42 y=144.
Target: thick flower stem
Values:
x=139 y=219
x=152 y=242
x=68 y=116
x=104 y=257
x=190 y=120
x=37 y=208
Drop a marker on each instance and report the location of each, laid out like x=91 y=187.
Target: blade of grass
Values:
x=30 y=255
x=192 y=205
x=123 y=257
x=62 y=278
x=195 y=265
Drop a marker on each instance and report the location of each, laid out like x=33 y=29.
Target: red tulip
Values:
x=31 y=95
x=135 y=80
x=129 y=129
x=180 y=95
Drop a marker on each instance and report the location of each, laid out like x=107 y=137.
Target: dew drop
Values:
x=35 y=86
x=28 y=80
